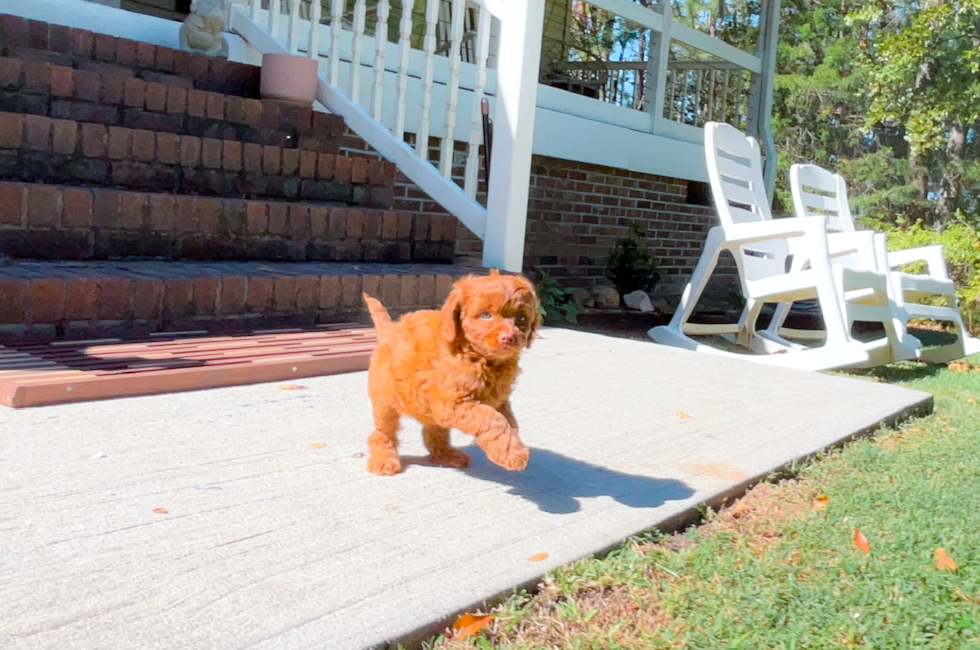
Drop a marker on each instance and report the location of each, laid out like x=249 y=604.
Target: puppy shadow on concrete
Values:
x=557 y=483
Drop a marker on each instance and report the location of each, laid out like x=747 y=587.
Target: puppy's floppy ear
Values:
x=525 y=288
x=451 y=329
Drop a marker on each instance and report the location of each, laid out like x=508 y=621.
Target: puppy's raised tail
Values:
x=380 y=316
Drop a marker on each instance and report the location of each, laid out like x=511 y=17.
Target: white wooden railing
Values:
x=385 y=90
x=413 y=92
x=728 y=84
x=697 y=91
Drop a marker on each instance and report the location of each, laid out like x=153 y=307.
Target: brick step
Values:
x=42 y=149
x=102 y=98
x=85 y=50
x=41 y=221
x=58 y=300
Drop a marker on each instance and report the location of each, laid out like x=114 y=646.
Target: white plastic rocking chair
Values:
x=761 y=246
x=818 y=193
x=815 y=191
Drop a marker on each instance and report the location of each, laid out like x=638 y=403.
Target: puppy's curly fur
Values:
x=453 y=369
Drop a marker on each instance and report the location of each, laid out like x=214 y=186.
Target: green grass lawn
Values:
x=773 y=572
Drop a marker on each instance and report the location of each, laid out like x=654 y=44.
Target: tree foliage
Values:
x=886 y=92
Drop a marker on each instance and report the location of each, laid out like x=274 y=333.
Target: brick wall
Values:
x=576 y=211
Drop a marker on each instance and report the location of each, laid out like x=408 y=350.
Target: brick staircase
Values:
x=144 y=189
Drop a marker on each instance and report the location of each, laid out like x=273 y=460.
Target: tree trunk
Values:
x=949 y=191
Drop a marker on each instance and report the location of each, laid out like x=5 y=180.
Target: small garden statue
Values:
x=202 y=29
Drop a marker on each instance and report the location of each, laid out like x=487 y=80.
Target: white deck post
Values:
x=518 y=61
x=759 y=120
x=658 y=59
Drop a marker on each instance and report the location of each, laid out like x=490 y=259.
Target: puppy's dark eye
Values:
x=485 y=315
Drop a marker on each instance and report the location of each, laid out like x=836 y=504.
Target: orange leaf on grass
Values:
x=738 y=507
x=161 y=511
x=318 y=445
x=537 y=557
x=821 y=502
x=959 y=366
x=861 y=541
x=943 y=561
x=291 y=387
x=682 y=415
x=469 y=625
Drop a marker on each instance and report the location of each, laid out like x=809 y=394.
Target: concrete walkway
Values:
x=274 y=541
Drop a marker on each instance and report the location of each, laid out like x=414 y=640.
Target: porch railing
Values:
x=385 y=90
x=721 y=82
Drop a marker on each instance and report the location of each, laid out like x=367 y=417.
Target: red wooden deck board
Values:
x=42 y=374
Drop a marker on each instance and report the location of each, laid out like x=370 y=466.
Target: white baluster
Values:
x=292 y=44
x=472 y=175
x=686 y=89
x=455 y=60
x=336 y=24
x=254 y=7
x=431 y=20
x=404 y=50
x=313 y=49
x=380 y=45
x=360 y=11
x=724 y=95
x=274 y=9
x=699 y=107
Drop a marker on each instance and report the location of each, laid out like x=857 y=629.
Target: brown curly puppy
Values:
x=453 y=369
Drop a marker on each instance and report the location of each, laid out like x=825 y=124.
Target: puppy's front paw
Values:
x=516 y=460
x=384 y=462
x=450 y=457
x=508 y=452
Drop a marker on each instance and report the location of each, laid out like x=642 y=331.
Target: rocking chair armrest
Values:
x=746 y=233
x=861 y=242
x=931 y=255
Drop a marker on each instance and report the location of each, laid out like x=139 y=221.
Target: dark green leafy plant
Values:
x=557 y=302
x=631 y=267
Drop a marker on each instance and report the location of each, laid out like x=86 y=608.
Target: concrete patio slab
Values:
x=272 y=540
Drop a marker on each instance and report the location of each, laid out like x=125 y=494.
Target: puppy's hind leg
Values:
x=440 y=451
x=383 y=443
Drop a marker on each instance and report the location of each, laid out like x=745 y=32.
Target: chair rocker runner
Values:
x=761 y=247
x=818 y=191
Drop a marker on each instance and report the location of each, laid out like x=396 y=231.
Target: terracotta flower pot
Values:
x=289 y=78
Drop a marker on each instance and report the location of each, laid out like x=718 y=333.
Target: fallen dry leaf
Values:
x=971 y=401
x=537 y=557
x=821 y=502
x=943 y=561
x=738 y=507
x=318 y=445
x=161 y=511
x=861 y=541
x=970 y=599
x=682 y=415
x=468 y=625
x=959 y=366
x=291 y=387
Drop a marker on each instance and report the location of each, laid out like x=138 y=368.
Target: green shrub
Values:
x=961 y=249
x=631 y=266
x=557 y=302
